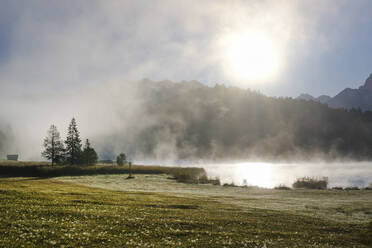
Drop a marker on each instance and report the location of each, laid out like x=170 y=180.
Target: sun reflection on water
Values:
x=255 y=174
x=270 y=175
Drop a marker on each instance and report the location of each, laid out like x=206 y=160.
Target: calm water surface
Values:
x=269 y=175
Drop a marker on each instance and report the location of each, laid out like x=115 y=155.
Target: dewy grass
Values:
x=50 y=213
x=323 y=204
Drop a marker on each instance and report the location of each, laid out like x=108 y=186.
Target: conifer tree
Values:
x=73 y=144
x=89 y=156
x=53 y=146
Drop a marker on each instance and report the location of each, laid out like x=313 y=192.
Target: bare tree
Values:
x=53 y=146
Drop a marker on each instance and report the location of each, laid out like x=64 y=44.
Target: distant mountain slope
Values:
x=321 y=99
x=324 y=99
x=306 y=97
x=354 y=98
x=348 y=98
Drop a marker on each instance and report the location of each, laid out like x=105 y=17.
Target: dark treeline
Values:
x=227 y=122
x=70 y=151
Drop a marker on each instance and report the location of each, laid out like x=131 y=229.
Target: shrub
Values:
x=282 y=187
x=215 y=181
x=121 y=159
x=189 y=175
x=369 y=187
x=352 y=188
x=310 y=183
x=229 y=185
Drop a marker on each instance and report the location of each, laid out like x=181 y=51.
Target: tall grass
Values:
x=73 y=170
x=43 y=169
x=24 y=163
x=282 y=187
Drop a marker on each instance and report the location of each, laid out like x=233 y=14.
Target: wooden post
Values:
x=130 y=169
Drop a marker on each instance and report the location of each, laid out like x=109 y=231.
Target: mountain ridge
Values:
x=348 y=98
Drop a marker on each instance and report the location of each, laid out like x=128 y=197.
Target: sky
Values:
x=60 y=59
x=51 y=46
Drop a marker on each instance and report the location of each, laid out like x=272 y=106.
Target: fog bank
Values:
x=270 y=175
x=172 y=122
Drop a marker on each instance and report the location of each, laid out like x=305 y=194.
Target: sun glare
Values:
x=252 y=56
x=256 y=174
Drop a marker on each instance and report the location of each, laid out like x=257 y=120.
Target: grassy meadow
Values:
x=153 y=210
x=344 y=206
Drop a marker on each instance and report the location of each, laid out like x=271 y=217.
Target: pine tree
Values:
x=89 y=156
x=53 y=146
x=73 y=144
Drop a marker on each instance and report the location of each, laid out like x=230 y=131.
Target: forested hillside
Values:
x=190 y=121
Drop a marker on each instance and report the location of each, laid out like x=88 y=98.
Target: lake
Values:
x=269 y=175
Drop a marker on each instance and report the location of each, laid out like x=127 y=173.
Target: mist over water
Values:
x=270 y=175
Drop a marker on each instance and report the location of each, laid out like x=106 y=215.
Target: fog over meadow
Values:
x=86 y=60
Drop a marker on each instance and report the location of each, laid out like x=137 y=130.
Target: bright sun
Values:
x=252 y=56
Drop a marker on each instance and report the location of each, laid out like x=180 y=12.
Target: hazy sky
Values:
x=320 y=46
